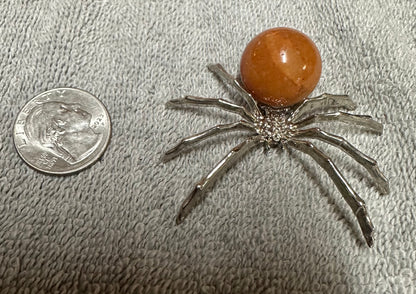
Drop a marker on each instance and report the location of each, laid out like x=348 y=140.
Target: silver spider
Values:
x=277 y=127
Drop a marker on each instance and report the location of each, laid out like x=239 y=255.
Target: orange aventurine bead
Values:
x=280 y=67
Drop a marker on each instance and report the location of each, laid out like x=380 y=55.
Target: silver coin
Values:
x=62 y=131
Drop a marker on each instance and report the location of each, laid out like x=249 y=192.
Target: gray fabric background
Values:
x=274 y=223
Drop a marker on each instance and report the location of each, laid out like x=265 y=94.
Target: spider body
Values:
x=284 y=126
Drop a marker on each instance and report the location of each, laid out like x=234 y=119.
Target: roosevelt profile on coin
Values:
x=63 y=129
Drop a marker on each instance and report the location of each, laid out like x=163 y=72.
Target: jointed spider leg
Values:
x=215 y=102
x=339 y=142
x=354 y=201
x=364 y=121
x=188 y=141
x=219 y=70
x=322 y=102
x=196 y=195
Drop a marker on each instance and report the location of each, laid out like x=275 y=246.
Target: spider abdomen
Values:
x=280 y=67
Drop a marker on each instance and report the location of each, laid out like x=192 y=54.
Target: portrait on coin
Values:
x=62 y=129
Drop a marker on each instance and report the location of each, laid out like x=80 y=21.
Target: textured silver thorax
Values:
x=274 y=125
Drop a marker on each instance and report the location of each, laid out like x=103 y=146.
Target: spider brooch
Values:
x=279 y=69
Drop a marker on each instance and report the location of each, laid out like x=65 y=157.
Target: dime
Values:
x=62 y=131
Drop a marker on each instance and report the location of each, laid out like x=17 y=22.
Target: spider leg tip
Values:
x=383 y=185
x=352 y=106
x=164 y=158
x=170 y=104
x=385 y=189
x=213 y=66
x=370 y=240
x=179 y=218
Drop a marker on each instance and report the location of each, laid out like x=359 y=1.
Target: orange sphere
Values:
x=280 y=67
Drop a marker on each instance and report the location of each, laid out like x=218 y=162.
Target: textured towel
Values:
x=273 y=223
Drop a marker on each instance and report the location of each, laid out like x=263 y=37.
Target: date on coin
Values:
x=62 y=131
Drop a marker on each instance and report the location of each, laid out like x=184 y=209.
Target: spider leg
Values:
x=215 y=102
x=188 y=141
x=364 y=121
x=219 y=70
x=322 y=102
x=337 y=141
x=202 y=186
x=351 y=197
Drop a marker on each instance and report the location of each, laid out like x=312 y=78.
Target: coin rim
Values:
x=82 y=167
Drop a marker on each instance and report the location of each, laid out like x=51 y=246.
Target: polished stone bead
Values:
x=280 y=67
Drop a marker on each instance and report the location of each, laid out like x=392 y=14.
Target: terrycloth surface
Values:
x=272 y=224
